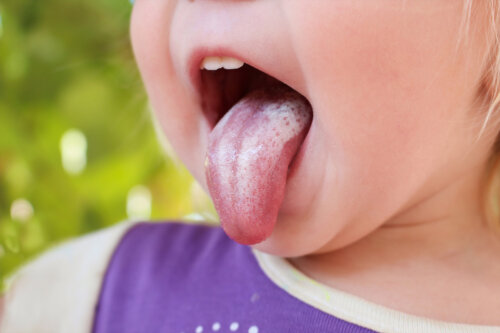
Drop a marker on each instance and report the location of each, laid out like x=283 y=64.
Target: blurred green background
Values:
x=78 y=151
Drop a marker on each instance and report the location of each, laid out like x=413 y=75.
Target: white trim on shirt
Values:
x=351 y=308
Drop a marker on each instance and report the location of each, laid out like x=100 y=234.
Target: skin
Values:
x=389 y=188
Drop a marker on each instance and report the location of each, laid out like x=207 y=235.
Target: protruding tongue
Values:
x=248 y=157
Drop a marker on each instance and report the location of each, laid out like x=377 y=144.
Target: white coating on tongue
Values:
x=249 y=152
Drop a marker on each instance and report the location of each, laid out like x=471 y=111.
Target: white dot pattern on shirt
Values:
x=233 y=327
x=253 y=329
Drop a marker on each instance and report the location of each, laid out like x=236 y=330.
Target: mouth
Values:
x=258 y=125
x=221 y=88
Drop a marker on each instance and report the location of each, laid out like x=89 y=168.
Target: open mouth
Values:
x=221 y=89
x=258 y=125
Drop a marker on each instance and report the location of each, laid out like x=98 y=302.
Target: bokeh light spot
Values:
x=73 y=147
x=21 y=210
x=139 y=202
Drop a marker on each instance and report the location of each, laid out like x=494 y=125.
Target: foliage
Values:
x=68 y=64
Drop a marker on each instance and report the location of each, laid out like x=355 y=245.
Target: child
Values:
x=349 y=148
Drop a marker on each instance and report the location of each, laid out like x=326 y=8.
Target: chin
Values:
x=292 y=238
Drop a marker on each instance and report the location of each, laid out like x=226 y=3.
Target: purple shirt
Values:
x=181 y=278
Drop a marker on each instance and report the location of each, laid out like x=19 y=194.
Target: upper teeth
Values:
x=215 y=63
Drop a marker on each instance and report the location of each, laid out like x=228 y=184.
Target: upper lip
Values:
x=198 y=53
x=213 y=29
x=197 y=56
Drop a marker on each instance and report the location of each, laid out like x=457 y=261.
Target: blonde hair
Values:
x=489 y=95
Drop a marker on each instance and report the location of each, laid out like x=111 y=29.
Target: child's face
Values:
x=390 y=89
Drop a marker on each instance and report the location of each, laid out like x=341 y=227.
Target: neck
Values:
x=447 y=219
x=442 y=242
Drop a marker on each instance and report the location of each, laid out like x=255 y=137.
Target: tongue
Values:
x=248 y=157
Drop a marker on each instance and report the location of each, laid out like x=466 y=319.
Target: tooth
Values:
x=231 y=63
x=215 y=63
x=211 y=63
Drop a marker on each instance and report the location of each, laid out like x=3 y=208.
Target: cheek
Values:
x=391 y=99
x=150 y=28
x=384 y=81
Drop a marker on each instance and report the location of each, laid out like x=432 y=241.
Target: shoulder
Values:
x=164 y=273
x=57 y=291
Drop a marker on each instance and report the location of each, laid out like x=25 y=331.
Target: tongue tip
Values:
x=245 y=238
x=247 y=241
